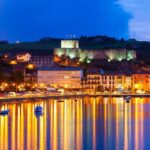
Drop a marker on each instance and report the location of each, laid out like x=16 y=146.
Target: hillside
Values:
x=46 y=45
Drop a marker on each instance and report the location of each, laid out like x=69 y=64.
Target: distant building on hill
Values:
x=42 y=60
x=70 y=49
x=69 y=44
x=23 y=57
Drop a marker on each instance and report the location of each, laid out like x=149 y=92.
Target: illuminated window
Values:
x=66 y=77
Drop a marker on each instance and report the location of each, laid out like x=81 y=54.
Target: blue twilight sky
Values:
x=27 y=20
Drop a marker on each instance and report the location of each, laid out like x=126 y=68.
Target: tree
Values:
x=2 y=77
x=16 y=77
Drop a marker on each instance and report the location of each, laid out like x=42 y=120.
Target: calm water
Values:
x=81 y=124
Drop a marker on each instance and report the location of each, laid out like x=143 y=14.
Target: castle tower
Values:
x=69 y=44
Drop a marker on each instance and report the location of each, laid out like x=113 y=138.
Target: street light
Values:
x=13 y=62
x=30 y=66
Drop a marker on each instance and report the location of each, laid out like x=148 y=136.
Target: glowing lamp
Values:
x=13 y=62
x=30 y=66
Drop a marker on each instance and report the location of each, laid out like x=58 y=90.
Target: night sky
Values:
x=27 y=20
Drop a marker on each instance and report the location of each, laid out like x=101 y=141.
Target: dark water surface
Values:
x=77 y=124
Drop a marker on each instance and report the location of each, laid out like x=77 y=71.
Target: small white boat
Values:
x=4 y=112
x=38 y=109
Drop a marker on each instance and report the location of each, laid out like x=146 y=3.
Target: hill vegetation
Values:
x=46 y=45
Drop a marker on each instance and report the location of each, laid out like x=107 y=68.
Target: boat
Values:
x=127 y=98
x=4 y=112
x=38 y=109
x=141 y=96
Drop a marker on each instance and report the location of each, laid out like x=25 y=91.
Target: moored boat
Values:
x=127 y=98
x=4 y=112
x=38 y=109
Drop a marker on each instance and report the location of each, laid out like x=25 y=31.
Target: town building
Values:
x=23 y=57
x=128 y=82
x=42 y=60
x=30 y=74
x=100 y=80
x=30 y=77
x=103 y=81
x=69 y=78
x=141 y=82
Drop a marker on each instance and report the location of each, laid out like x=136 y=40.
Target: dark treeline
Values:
x=46 y=45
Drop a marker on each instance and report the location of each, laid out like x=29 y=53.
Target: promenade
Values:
x=66 y=96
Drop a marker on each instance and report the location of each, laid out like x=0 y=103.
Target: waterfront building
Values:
x=30 y=74
x=42 y=60
x=100 y=80
x=30 y=77
x=106 y=81
x=92 y=81
x=23 y=57
x=141 y=82
x=69 y=78
x=115 y=81
x=128 y=82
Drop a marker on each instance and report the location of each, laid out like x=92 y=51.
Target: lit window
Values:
x=66 y=77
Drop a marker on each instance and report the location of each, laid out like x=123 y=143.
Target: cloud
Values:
x=139 y=24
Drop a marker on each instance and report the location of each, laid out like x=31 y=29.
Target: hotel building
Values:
x=141 y=82
x=105 y=81
x=111 y=81
x=69 y=78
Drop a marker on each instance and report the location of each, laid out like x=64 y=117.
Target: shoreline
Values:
x=12 y=99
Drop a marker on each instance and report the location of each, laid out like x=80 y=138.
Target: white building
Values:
x=23 y=57
x=69 y=44
x=60 y=77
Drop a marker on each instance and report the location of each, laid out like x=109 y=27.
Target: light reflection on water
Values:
x=77 y=124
